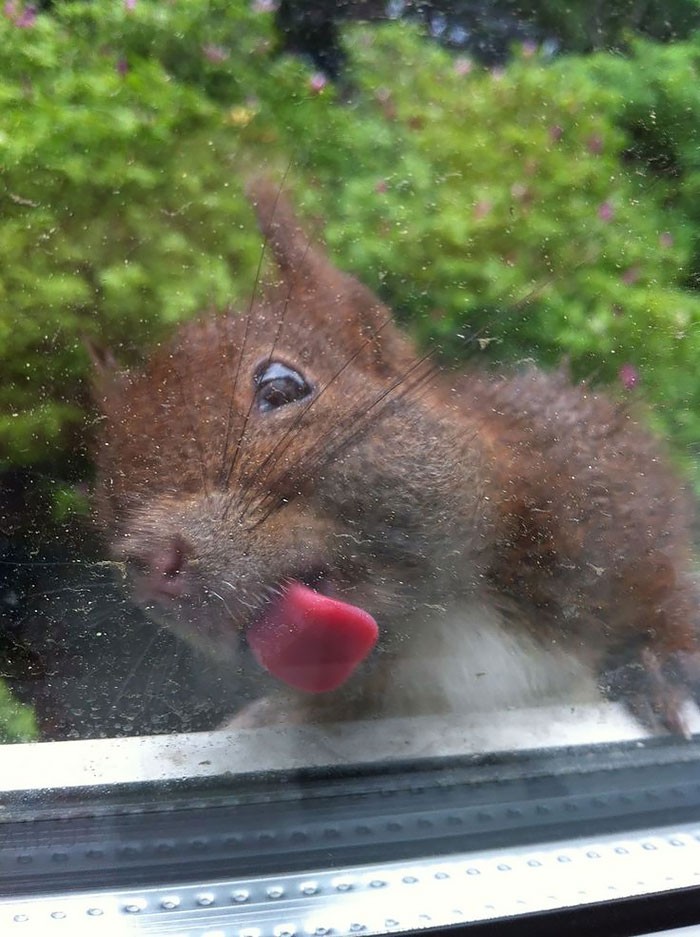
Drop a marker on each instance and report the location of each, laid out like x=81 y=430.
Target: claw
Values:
x=653 y=691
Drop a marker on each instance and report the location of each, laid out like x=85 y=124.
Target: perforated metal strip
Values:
x=375 y=899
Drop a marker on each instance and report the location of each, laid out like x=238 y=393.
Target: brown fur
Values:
x=412 y=488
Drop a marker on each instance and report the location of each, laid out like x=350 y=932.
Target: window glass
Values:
x=348 y=395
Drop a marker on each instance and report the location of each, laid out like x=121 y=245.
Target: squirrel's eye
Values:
x=276 y=384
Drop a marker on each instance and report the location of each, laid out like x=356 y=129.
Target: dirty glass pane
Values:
x=349 y=374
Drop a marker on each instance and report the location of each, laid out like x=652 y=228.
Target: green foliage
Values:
x=581 y=26
x=122 y=209
x=524 y=206
x=514 y=210
x=17 y=722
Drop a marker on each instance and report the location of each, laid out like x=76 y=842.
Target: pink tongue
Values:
x=310 y=641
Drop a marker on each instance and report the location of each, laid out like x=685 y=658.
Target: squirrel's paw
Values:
x=654 y=690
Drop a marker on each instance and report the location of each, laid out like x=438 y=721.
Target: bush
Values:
x=581 y=26
x=500 y=203
x=17 y=722
x=515 y=210
x=115 y=215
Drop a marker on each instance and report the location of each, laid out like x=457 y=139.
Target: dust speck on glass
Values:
x=349 y=376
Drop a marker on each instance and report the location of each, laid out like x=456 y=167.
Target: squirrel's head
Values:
x=269 y=450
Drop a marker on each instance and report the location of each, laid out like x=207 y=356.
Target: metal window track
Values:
x=286 y=834
x=393 y=897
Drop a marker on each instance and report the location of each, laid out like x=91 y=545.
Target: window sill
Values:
x=97 y=762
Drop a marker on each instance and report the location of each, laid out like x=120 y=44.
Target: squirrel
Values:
x=386 y=536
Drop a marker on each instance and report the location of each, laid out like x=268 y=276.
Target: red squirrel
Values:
x=389 y=537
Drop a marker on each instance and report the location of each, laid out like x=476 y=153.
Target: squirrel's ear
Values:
x=106 y=372
x=357 y=316
x=103 y=360
x=293 y=251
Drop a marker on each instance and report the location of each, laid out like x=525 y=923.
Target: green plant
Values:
x=498 y=202
x=17 y=722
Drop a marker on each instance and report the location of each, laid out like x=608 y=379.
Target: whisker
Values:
x=222 y=600
x=405 y=388
x=290 y=290
x=268 y=460
x=78 y=588
x=250 y=605
x=251 y=303
x=187 y=408
x=368 y=414
x=133 y=670
x=159 y=673
x=31 y=563
x=251 y=405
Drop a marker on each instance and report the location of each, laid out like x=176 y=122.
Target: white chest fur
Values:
x=466 y=660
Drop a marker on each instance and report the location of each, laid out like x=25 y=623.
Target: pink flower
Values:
x=606 y=212
x=555 y=133
x=463 y=66
x=630 y=276
x=129 y=5
x=10 y=9
x=595 y=145
x=628 y=376
x=482 y=209
x=27 y=18
x=317 y=82
x=666 y=239
x=528 y=48
x=381 y=187
x=122 y=67
x=216 y=54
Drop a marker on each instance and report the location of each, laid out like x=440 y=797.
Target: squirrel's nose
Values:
x=161 y=573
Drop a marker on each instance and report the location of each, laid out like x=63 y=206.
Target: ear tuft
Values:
x=281 y=229
x=356 y=315
x=103 y=360
x=106 y=371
